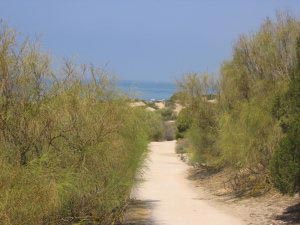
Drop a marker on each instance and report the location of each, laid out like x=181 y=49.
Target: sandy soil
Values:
x=150 y=109
x=270 y=208
x=167 y=197
x=160 y=105
x=137 y=104
x=178 y=108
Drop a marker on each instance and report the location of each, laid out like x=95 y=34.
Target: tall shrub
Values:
x=285 y=165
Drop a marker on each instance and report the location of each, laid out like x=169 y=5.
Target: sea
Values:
x=148 y=90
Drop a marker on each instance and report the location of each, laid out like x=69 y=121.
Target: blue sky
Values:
x=155 y=40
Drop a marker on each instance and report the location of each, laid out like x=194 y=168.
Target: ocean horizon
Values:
x=147 y=90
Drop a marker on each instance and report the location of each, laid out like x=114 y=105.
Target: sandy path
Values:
x=174 y=199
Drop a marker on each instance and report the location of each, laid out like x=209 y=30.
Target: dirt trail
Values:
x=171 y=199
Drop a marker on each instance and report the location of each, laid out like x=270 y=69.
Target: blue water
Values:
x=148 y=90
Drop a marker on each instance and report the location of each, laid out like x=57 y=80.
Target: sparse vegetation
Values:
x=182 y=146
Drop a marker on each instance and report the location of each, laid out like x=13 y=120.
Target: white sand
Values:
x=175 y=199
x=178 y=108
x=137 y=104
x=214 y=101
x=150 y=109
x=160 y=105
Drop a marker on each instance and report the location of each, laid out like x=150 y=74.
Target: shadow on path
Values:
x=291 y=215
x=139 y=213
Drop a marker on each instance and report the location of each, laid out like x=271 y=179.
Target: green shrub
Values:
x=70 y=144
x=254 y=123
x=169 y=130
x=249 y=127
x=183 y=122
x=154 y=124
x=182 y=146
x=285 y=164
x=248 y=136
x=167 y=114
x=198 y=121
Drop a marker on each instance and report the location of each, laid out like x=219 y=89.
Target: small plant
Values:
x=183 y=123
x=167 y=114
x=169 y=130
x=182 y=146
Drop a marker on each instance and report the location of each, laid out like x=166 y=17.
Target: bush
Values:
x=248 y=136
x=285 y=164
x=182 y=146
x=198 y=121
x=70 y=144
x=167 y=114
x=183 y=122
x=169 y=130
x=254 y=122
x=154 y=123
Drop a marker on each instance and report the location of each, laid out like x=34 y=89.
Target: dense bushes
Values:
x=285 y=164
x=198 y=121
x=167 y=114
x=253 y=122
x=183 y=123
x=154 y=123
x=70 y=144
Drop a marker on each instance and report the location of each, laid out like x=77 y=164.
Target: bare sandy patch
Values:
x=137 y=104
x=160 y=105
x=270 y=208
x=178 y=108
x=150 y=109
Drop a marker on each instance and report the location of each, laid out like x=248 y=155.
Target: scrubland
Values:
x=70 y=144
x=248 y=118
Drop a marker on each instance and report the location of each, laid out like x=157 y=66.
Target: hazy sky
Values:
x=142 y=39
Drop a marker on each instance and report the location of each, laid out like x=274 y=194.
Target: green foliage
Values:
x=182 y=146
x=167 y=114
x=247 y=135
x=285 y=164
x=250 y=84
x=154 y=124
x=253 y=122
x=203 y=134
x=169 y=130
x=198 y=121
x=183 y=122
x=175 y=97
x=70 y=144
